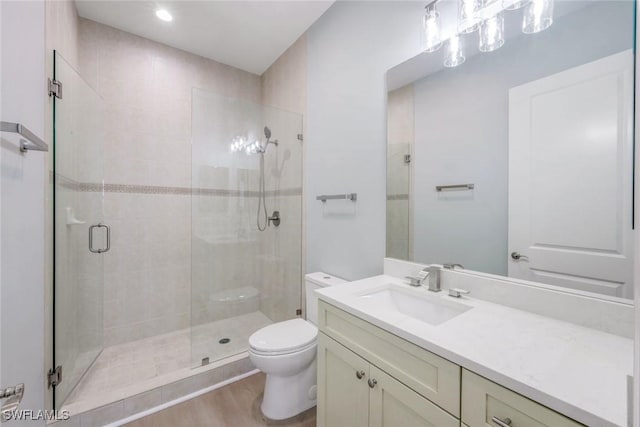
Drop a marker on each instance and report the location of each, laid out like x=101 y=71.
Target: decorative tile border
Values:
x=70 y=184
x=397 y=197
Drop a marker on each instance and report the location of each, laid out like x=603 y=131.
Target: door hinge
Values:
x=299 y=312
x=54 y=377
x=407 y=158
x=300 y=137
x=55 y=88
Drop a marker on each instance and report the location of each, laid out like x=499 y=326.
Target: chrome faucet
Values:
x=434 y=278
x=431 y=272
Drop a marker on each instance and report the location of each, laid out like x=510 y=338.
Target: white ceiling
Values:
x=249 y=35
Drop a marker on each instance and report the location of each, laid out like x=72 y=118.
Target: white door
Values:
x=570 y=178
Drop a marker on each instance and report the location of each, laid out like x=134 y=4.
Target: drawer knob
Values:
x=360 y=374
x=372 y=383
x=501 y=423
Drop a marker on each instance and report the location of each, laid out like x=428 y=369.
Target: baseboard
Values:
x=181 y=399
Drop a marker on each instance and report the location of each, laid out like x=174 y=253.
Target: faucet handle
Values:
x=414 y=281
x=457 y=292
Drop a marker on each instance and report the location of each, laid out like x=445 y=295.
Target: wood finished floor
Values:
x=234 y=405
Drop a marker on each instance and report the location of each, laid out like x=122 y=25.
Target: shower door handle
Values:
x=106 y=249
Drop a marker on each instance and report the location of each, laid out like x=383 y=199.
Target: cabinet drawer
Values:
x=482 y=400
x=433 y=377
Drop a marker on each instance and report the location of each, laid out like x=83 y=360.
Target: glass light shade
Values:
x=538 y=16
x=517 y=5
x=468 y=20
x=454 y=55
x=431 y=24
x=492 y=33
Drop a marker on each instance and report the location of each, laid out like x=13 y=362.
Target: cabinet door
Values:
x=392 y=404
x=343 y=393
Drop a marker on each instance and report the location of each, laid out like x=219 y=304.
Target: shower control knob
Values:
x=360 y=374
x=275 y=218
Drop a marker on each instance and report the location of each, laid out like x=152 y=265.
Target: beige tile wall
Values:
x=146 y=87
x=225 y=241
x=284 y=86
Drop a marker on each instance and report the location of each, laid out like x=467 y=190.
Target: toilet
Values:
x=286 y=353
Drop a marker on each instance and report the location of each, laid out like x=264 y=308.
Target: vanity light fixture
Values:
x=538 y=16
x=468 y=20
x=454 y=55
x=164 y=15
x=488 y=16
x=431 y=24
x=242 y=144
x=492 y=33
x=511 y=5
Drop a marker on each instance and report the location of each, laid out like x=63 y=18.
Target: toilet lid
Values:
x=284 y=337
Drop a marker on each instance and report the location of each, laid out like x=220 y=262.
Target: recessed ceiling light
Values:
x=164 y=15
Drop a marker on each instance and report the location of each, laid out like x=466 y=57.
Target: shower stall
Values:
x=156 y=279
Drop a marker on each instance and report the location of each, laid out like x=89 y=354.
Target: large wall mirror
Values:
x=516 y=159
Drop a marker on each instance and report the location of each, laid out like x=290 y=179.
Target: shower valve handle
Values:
x=275 y=218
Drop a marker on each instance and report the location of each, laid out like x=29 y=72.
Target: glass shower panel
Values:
x=399 y=201
x=78 y=201
x=243 y=278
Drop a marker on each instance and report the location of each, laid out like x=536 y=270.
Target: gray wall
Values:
x=23 y=204
x=471 y=227
x=350 y=48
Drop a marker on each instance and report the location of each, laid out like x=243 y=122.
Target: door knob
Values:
x=516 y=256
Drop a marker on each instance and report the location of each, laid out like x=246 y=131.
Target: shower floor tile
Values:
x=206 y=338
x=153 y=359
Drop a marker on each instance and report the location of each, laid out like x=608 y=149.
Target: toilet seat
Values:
x=286 y=337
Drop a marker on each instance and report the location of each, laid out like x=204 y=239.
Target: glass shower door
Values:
x=80 y=237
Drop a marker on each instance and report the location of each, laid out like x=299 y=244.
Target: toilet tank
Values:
x=315 y=281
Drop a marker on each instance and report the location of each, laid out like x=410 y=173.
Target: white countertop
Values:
x=577 y=371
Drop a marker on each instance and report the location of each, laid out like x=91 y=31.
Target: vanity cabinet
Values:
x=370 y=377
x=352 y=392
x=431 y=376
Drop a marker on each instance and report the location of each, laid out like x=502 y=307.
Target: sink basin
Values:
x=433 y=310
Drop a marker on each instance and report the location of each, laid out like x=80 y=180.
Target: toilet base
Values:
x=286 y=397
